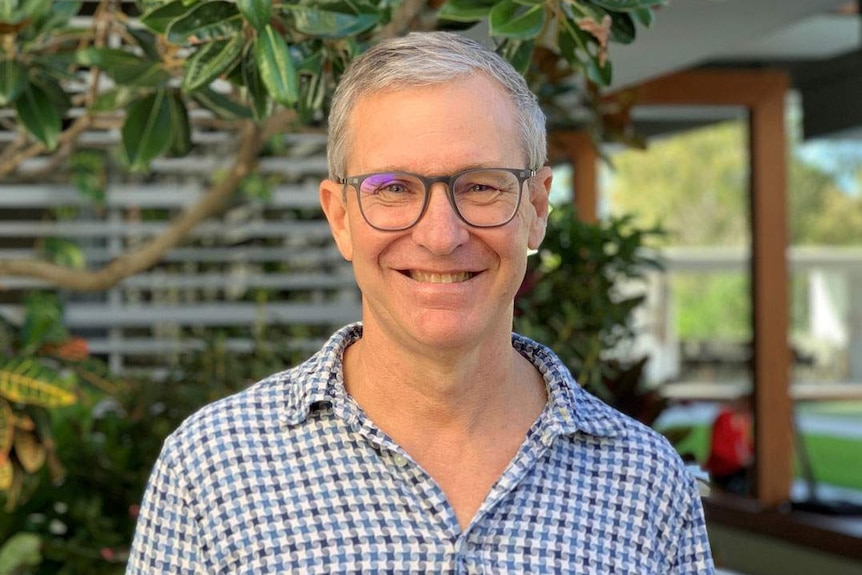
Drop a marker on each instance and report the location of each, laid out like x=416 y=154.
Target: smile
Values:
x=440 y=278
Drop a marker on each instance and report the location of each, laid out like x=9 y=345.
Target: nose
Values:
x=440 y=230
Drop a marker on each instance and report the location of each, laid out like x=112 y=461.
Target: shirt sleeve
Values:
x=165 y=539
x=693 y=555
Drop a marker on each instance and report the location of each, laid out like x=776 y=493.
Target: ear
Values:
x=332 y=200
x=540 y=191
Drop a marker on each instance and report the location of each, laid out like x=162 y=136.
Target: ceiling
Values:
x=819 y=42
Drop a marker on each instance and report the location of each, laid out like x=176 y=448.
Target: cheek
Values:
x=369 y=246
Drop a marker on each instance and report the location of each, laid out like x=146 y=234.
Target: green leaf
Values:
x=277 y=70
x=147 y=41
x=330 y=24
x=39 y=115
x=35 y=9
x=43 y=321
x=64 y=253
x=125 y=67
x=55 y=92
x=622 y=28
x=627 y=5
x=54 y=15
x=25 y=381
x=108 y=59
x=519 y=54
x=313 y=86
x=512 y=20
x=114 y=99
x=211 y=61
x=7 y=429
x=465 y=10
x=20 y=551
x=159 y=19
x=147 y=132
x=57 y=64
x=13 y=80
x=348 y=6
x=255 y=89
x=643 y=16
x=600 y=75
x=258 y=13
x=206 y=21
x=220 y=105
x=16 y=11
x=573 y=42
x=181 y=142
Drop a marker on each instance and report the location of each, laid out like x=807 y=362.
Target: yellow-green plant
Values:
x=45 y=370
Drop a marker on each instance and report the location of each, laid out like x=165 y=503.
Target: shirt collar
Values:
x=319 y=380
x=571 y=409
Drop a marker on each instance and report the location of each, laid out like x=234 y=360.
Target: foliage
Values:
x=44 y=370
x=160 y=70
x=575 y=300
x=85 y=523
x=702 y=176
x=712 y=308
x=698 y=176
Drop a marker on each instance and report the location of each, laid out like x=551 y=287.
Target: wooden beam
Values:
x=769 y=281
x=578 y=149
x=712 y=88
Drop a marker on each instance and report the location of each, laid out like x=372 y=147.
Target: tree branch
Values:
x=136 y=261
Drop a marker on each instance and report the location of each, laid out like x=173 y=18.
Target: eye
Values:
x=385 y=184
x=479 y=187
x=392 y=188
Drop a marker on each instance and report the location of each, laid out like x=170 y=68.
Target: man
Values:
x=428 y=439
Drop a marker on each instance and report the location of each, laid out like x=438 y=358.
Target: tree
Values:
x=254 y=68
x=692 y=184
x=695 y=185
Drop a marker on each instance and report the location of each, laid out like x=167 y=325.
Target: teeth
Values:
x=428 y=277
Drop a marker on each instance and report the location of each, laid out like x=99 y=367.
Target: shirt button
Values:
x=399 y=460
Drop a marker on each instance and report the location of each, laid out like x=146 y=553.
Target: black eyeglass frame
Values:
x=356 y=181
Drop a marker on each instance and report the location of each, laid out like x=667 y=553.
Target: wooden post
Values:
x=773 y=409
x=577 y=148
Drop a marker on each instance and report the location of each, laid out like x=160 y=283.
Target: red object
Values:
x=73 y=349
x=732 y=449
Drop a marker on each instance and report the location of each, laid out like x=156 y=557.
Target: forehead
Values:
x=465 y=122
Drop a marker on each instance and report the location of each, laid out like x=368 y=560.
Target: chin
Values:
x=454 y=331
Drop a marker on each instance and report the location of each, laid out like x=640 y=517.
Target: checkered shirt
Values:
x=290 y=476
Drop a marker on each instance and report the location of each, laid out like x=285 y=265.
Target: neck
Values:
x=460 y=393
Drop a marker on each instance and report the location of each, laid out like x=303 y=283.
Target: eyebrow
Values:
x=462 y=168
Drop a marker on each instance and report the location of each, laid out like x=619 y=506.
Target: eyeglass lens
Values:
x=482 y=197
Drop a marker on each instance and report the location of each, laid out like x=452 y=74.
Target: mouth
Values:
x=439 y=278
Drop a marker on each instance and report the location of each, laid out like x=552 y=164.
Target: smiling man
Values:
x=429 y=438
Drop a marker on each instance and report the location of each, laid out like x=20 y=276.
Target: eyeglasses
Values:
x=482 y=197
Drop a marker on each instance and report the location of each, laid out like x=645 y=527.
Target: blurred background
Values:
x=702 y=272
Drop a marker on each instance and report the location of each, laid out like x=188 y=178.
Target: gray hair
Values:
x=426 y=59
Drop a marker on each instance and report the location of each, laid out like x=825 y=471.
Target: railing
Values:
x=832 y=279
x=260 y=264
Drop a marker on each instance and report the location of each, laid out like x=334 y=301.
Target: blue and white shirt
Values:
x=290 y=476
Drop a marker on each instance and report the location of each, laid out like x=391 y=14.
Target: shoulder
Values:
x=251 y=411
x=278 y=400
x=592 y=424
x=634 y=443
